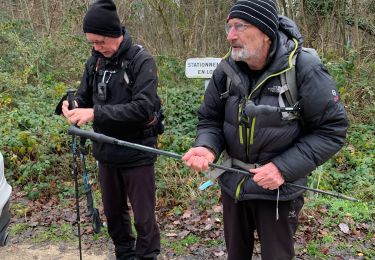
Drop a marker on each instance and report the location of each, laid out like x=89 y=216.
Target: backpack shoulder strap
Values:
x=232 y=78
x=227 y=88
x=289 y=90
x=289 y=86
x=92 y=67
x=128 y=64
x=289 y=79
x=92 y=64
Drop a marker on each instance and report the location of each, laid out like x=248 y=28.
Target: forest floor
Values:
x=44 y=230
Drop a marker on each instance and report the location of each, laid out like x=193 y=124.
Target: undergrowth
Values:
x=36 y=71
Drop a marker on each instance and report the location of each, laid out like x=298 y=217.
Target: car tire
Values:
x=4 y=239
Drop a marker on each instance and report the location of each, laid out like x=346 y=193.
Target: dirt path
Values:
x=64 y=252
x=50 y=252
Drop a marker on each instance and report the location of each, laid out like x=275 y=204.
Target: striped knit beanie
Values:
x=260 y=13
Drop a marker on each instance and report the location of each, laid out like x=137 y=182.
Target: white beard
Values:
x=245 y=55
x=240 y=55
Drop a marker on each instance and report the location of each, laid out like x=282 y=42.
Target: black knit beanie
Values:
x=260 y=13
x=101 y=18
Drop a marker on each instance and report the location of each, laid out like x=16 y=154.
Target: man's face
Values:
x=107 y=46
x=249 y=44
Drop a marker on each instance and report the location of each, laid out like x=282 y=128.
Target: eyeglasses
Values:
x=100 y=43
x=238 y=27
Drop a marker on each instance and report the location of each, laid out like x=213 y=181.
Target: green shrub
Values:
x=35 y=71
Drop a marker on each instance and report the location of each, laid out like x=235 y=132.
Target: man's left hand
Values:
x=268 y=176
x=79 y=116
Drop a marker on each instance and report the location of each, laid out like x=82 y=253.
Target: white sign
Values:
x=201 y=68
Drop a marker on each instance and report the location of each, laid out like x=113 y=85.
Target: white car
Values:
x=5 y=191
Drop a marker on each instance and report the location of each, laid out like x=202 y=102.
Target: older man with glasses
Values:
x=272 y=148
x=118 y=95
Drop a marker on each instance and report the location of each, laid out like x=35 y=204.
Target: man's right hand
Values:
x=199 y=158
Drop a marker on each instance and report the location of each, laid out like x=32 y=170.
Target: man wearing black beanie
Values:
x=101 y=18
x=118 y=94
x=240 y=118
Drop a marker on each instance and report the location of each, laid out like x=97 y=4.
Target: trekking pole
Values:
x=91 y=210
x=110 y=140
x=70 y=96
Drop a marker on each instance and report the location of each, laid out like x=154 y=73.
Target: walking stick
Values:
x=110 y=140
x=70 y=95
x=91 y=210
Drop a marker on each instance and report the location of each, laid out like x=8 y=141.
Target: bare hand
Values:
x=199 y=158
x=78 y=116
x=65 y=107
x=268 y=176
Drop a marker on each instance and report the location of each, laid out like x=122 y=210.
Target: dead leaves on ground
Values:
x=207 y=225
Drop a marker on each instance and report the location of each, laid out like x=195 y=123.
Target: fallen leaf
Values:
x=196 y=219
x=33 y=224
x=356 y=233
x=219 y=253
x=344 y=228
x=351 y=148
x=217 y=208
x=187 y=214
x=208 y=227
x=183 y=234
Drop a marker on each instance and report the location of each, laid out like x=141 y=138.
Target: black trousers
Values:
x=137 y=184
x=241 y=219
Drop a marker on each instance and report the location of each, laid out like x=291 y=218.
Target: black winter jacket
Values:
x=296 y=147
x=128 y=108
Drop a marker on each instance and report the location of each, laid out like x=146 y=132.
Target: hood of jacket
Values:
x=281 y=50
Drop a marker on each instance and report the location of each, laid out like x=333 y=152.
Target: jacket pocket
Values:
x=232 y=184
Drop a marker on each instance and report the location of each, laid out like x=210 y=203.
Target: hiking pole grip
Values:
x=70 y=96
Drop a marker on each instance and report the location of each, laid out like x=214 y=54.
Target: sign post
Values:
x=201 y=68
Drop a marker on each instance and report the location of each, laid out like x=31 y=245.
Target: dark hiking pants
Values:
x=242 y=218
x=137 y=184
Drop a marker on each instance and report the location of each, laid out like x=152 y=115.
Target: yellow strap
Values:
x=252 y=131
x=238 y=189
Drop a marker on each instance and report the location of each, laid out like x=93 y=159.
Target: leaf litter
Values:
x=39 y=216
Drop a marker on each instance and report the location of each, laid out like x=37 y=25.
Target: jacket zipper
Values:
x=251 y=135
